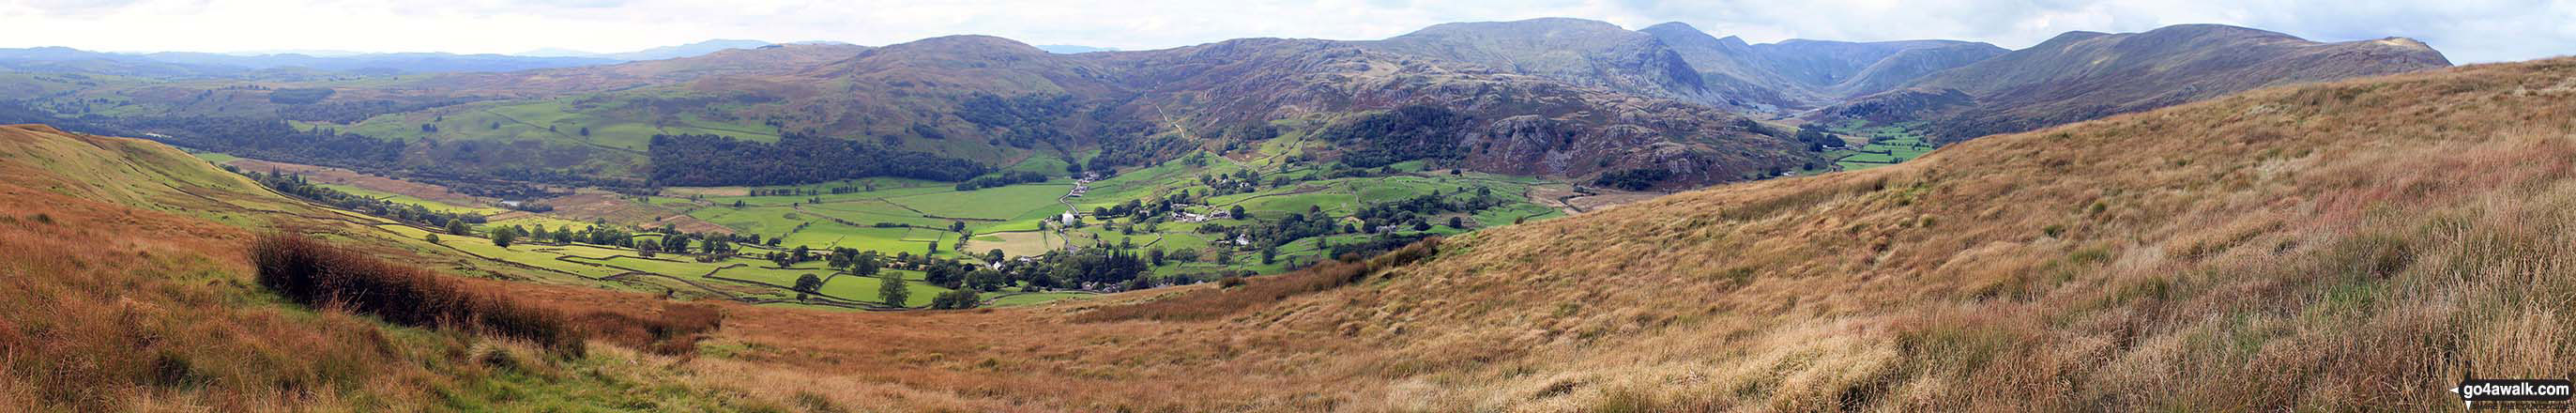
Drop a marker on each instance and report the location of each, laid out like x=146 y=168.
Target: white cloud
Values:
x=2468 y=31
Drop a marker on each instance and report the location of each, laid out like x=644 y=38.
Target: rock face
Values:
x=2085 y=75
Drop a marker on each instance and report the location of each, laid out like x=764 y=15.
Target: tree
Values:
x=1155 y=256
x=1237 y=212
x=502 y=237
x=865 y=264
x=1269 y=254
x=809 y=283
x=986 y=280
x=993 y=256
x=457 y=227
x=934 y=248
x=956 y=300
x=892 y=289
x=1454 y=222
x=956 y=226
x=433 y=238
x=585 y=131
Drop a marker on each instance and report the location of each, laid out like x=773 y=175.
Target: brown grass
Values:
x=118 y=307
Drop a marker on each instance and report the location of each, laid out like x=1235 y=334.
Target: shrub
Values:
x=322 y=276
x=956 y=300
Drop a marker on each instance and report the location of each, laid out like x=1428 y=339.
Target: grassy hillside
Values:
x=128 y=286
x=2359 y=241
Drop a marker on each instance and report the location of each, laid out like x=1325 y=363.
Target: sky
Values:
x=2468 y=31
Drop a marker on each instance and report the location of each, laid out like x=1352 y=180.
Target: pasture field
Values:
x=988 y=203
x=1888 y=145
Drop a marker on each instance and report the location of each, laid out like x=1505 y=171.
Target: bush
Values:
x=956 y=300
x=322 y=276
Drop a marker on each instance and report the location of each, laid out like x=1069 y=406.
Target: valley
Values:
x=1209 y=209
x=1540 y=215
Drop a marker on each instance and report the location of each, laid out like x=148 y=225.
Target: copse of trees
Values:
x=1816 y=138
x=714 y=160
x=956 y=300
x=1003 y=179
x=1406 y=133
x=1633 y=179
x=295 y=185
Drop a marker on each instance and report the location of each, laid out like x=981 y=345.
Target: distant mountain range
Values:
x=1562 y=98
x=1071 y=49
x=2085 y=75
x=198 y=64
x=657 y=53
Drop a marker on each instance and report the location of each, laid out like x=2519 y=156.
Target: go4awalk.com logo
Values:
x=2514 y=394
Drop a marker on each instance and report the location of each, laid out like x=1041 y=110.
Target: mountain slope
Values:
x=1583 y=52
x=2360 y=241
x=1801 y=73
x=2363 y=239
x=128 y=286
x=1518 y=124
x=2085 y=75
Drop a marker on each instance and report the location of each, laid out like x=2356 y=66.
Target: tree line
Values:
x=716 y=160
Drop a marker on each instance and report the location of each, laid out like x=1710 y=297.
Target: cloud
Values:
x=2468 y=30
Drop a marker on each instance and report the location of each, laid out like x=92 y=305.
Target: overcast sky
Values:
x=2466 y=30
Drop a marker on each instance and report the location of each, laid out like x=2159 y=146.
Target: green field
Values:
x=1888 y=145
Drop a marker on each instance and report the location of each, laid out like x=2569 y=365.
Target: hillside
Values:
x=129 y=287
x=1555 y=98
x=2352 y=237
x=1583 y=52
x=2085 y=75
x=1800 y=73
x=2345 y=238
